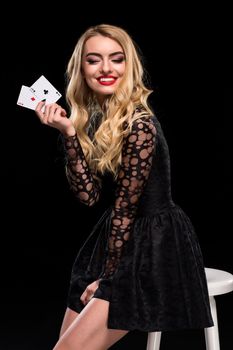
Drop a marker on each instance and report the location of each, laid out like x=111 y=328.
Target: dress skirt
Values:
x=160 y=283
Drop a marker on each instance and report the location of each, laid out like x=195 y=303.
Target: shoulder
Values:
x=142 y=134
x=144 y=124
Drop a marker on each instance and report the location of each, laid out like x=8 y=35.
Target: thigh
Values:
x=69 y=317
x=89 y=330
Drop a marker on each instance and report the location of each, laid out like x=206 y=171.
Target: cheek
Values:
x=89 y=71
x=121 y=70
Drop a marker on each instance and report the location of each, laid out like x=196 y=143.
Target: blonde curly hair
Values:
x=128 y=103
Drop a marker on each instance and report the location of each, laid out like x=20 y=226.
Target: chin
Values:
x=105 y=93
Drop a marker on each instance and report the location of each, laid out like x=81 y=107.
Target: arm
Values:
x=137 y=154
x=79 y=176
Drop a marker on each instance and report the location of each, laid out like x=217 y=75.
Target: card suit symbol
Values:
x=33 y=98
x=46 y=92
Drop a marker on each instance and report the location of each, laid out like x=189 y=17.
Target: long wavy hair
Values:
x=103 y=151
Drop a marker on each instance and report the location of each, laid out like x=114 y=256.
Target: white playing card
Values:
x=43 y=89
x=27 y=99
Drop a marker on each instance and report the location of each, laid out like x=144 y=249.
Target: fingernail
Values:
x=43 y=100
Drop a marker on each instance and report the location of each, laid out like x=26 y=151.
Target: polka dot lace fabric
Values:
x=137 y=154
x=80 y=178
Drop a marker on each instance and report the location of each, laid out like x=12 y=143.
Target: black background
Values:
x=187 y=58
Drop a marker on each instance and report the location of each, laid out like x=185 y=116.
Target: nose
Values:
x=106 y=67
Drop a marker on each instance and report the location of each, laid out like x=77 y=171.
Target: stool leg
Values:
x=211 y=333
x=153 y=340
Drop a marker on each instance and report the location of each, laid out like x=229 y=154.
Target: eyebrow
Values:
x=99 y=55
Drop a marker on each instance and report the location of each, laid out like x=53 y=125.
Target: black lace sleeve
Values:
x=82 y=182
x=137 y=154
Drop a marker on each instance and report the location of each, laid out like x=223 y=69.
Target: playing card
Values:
x=27 y=99
x=43 y=89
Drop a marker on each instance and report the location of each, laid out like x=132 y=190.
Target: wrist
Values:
x=69 y=132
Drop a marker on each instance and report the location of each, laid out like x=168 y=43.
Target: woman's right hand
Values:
x=55 y=116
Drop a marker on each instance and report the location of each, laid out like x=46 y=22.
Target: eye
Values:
x=119 y=60
x=92 y=61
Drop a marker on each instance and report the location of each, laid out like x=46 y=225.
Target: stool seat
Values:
x=219 y=282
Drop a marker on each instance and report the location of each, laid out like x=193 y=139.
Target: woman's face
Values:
x=103 y=65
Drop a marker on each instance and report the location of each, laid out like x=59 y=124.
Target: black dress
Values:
x=144 y=247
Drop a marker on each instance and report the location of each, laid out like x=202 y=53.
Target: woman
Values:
x=141 y=267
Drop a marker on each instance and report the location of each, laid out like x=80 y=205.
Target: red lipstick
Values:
x=106 y=80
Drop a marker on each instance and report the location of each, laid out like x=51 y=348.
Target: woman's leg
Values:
x=69 y=317
x=89 y=330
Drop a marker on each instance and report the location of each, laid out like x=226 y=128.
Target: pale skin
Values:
x=88 y=329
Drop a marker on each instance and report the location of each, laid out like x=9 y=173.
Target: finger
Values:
x=63 y=112
x=39 y=112
x=47 y=111
x=50 y=105
x=57 y=112
x=52 y=112
x=83 y=297
x=86 y=297
x=39 y=106
x=90 y=295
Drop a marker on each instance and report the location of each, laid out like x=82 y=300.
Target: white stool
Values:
x=219 y=282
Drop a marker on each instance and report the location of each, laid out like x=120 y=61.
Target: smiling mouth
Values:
x=107 y=81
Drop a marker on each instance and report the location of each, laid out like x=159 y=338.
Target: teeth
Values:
x=107 y=79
